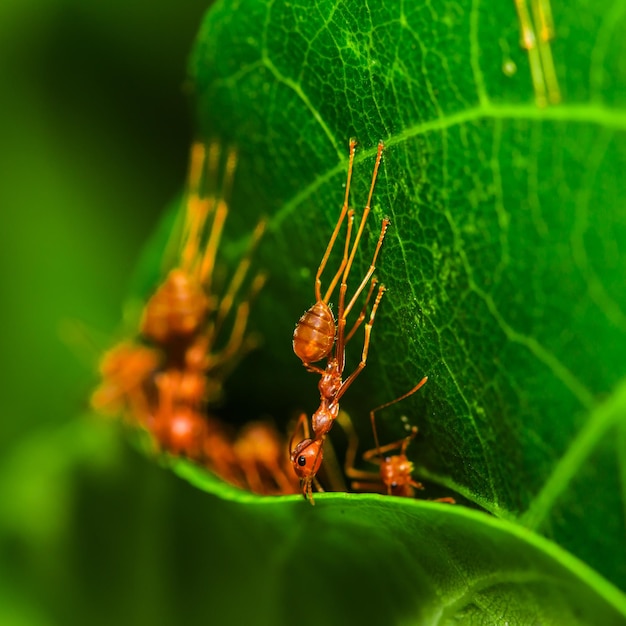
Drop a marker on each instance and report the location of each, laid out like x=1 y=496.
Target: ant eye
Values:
x=301 y=461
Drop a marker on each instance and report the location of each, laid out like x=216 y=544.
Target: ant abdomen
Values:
x=314 y=336
x=177 y=309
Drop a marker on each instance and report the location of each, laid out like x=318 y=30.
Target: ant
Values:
x=318 y=336
x=395 y=476
x=183 y=313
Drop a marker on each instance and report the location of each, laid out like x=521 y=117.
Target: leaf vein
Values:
x=601 y=418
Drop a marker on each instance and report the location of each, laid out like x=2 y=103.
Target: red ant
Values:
x=127 y=372
x=183 y=306
x=395 y=475
x=318 y=336
x=166 y=385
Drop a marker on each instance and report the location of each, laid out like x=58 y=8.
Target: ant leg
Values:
x=229 y=174
x=341 y=314
x=205 y=271
x=372 y=478
x=527 y=34
x=366 y=212
x=318 y=487
x=237 y=342
x=301 y=423
x=282 y=480
x=542 y=14
x=391 y=403
x=372 y=267
x=252 y=477
x=528 y=41
x=227 y=300
x=198 y=208
x=197 y=159
x=330 y=470
x=333 y=237
x=340 y=352
x=343 y=311
x=207 y=263
x=400 y=445
x=361 y=317
x=308 y=489
x=346 y=248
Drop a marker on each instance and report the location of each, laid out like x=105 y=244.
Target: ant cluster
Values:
x=319 y=336
x=167 y=378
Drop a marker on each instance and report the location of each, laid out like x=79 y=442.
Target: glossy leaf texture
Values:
x=505 y=267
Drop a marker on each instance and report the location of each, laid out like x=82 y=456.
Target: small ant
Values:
x=395 y=476
x=318 y=336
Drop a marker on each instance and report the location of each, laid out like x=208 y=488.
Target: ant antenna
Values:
x=387 y=404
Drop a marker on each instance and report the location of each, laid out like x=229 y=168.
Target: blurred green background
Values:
x=95 y=127
x=95 y=133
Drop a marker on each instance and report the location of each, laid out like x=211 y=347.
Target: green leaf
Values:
x=433 y=564
x=504 y=266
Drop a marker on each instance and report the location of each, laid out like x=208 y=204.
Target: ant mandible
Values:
x=318 y=336
x=395 y=476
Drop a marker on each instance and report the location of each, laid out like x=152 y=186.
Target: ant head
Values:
x=306 y=459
